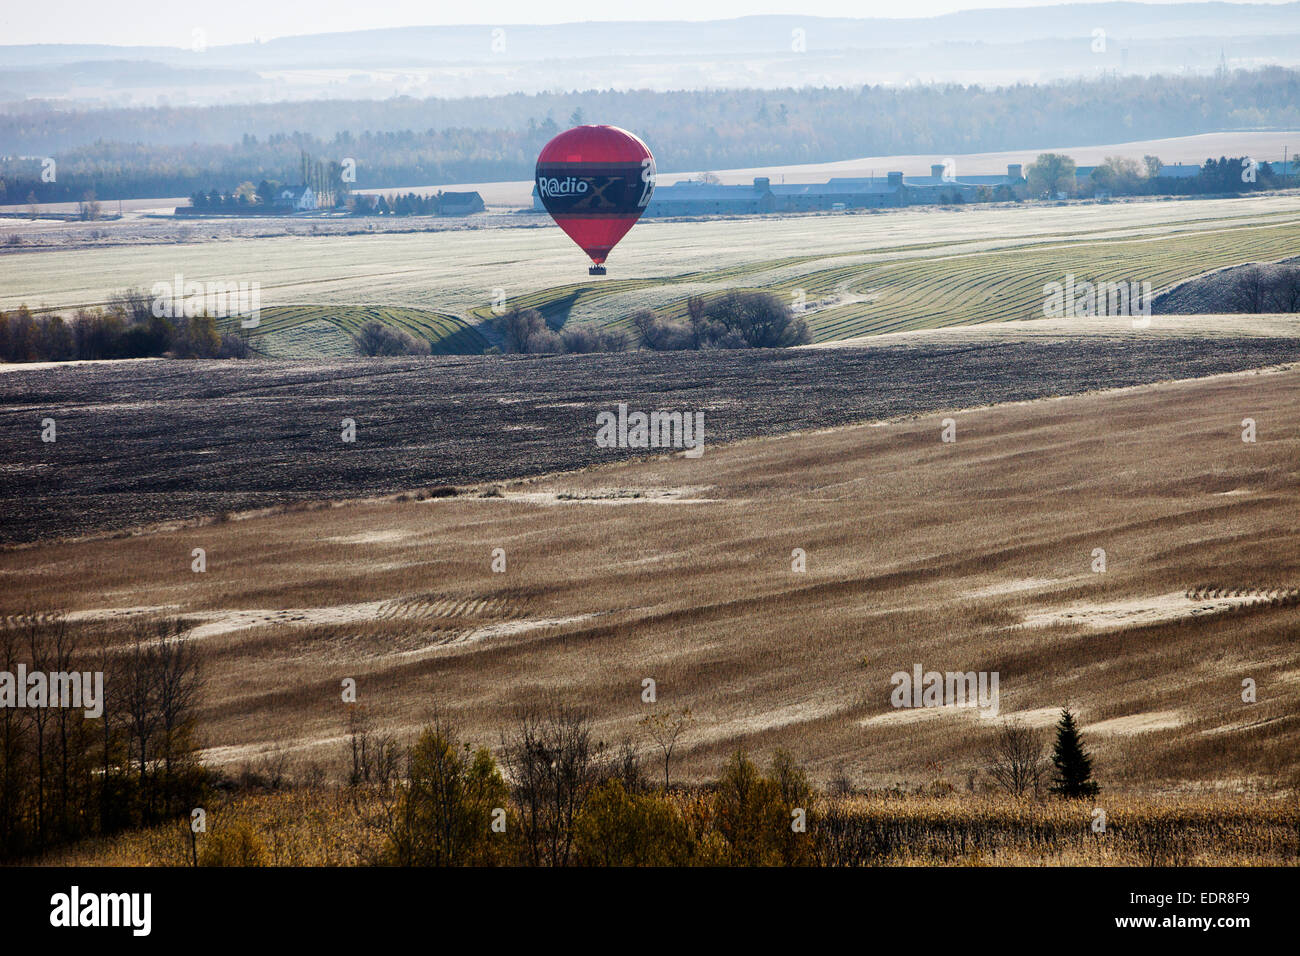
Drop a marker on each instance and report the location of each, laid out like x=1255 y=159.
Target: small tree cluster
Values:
x=376 y=338
x=525 y=332
x=126 y=328
x=755 y=811
x=570 y=800
x=733 y=320
x=1054 y=174
x=1266 y=289
x=445 y=809
x=397 y=204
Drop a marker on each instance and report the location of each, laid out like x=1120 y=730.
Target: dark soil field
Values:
x=139 y=443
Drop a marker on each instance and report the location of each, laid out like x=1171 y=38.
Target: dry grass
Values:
x=298 y=827
x=323 y=827
x=918 y=552
x=971 y=831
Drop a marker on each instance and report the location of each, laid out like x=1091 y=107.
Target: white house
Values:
x=297 y=198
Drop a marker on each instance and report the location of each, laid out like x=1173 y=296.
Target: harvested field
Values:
x=144 y=442
x=857 y=274
x=918 y=551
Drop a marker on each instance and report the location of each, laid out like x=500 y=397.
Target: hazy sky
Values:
x=159 y=23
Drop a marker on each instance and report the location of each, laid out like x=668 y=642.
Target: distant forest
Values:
x=142 y=153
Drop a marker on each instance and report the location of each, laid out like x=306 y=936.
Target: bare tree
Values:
x=1287 y=291
x=140 y=702
x=13 y=763
x=1250 y=291
x=665 y=729
x=553 y=764
x=625 y=767
x=1016 y=759
x=179 y=685
x=40 y=647
x=376 y=757
x=161 y=685
x=61 y=645
x=110 y=665
x=88 y=208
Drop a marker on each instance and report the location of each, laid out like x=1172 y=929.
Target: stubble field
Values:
x=865 y=273
x=974 y=555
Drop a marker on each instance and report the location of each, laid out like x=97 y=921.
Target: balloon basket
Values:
x=597 y=270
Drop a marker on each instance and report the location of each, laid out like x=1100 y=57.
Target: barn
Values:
x=691 y=198
x=460 y=204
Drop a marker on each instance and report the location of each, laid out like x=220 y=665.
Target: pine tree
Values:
x=1073 y=777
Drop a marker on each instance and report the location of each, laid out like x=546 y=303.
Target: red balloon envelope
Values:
x=595 y=181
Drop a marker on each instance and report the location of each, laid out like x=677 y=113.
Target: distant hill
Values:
x=1258 y=288
x=756 y=34
x=985 y=46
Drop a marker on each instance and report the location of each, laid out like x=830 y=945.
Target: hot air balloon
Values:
x=595 y=181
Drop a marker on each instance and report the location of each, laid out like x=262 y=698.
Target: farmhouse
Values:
x=459 y=204
x=297 y=198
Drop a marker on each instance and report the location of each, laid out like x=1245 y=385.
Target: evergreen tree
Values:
x=1073 y=777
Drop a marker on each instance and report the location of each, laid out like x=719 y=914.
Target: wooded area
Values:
x=141 y=153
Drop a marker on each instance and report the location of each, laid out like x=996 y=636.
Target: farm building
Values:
x=866 y=192
x=844 y=193
x=691 y=198
x=941 y=186
x=459 y=204
x=297 y=198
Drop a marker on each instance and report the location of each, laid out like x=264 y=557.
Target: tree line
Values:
x=555 y=794
x=149 y=152
x=328 y=180
x=65 y=776
x=1054 y=175
x=126 y=328
x=732 y=320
